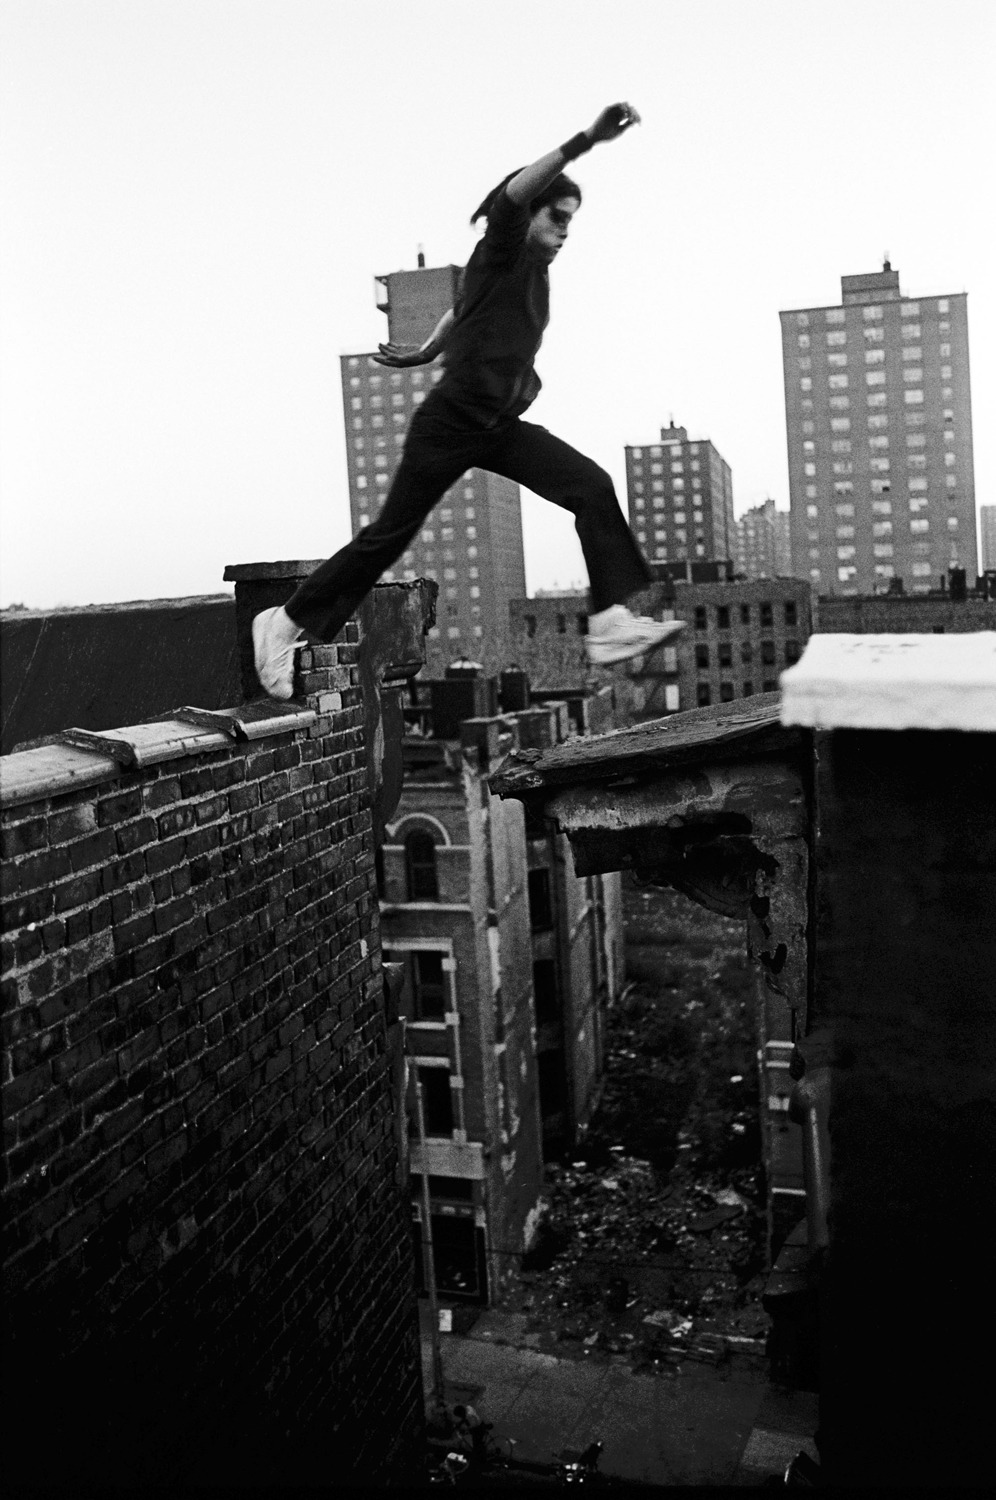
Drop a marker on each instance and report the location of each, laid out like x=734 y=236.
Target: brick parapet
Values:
x=206 y=1250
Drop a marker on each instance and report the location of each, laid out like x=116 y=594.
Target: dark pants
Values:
x=440 y=446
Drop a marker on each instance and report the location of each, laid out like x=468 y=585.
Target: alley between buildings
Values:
x=636 y=1317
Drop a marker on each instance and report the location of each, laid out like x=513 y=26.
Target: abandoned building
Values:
x=851 y=825
x=207 y=1252
x=741 y=634
x=509 y=961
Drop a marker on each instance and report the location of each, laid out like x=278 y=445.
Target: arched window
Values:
x=420 y=866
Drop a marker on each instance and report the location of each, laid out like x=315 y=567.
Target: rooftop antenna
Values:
x=421 y=257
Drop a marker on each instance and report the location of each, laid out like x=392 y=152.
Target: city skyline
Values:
x=198 y=206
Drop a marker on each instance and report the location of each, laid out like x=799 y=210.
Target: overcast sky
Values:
x=198 y=194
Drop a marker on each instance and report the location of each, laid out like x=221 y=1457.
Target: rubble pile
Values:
x=652 y=1243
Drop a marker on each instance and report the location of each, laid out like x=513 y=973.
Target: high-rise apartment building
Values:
x=987 y=525
x=680 y=496
x=879 y=422
x=471 y=544
x=763 y=546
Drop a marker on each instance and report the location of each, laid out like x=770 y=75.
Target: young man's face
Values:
x=549 y=225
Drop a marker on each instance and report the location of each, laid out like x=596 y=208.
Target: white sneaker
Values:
x=273 y=655
x=616 y=634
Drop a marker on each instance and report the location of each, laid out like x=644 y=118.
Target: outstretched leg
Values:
x=436 y=453
x=552 y=468
x=616 y=567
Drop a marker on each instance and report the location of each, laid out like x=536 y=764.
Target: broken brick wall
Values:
x=207 y=1260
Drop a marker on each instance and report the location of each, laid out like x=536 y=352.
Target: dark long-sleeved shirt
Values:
x=501 y=312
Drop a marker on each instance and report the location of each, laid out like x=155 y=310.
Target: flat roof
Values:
x=744 y=728
x=845 y=681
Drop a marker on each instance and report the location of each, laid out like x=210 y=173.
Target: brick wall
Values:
x=207 y=1260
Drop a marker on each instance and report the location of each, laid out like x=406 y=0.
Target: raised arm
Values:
x=400 y=355
x=530 y=182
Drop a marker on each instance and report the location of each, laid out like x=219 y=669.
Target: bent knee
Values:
x=599 y=491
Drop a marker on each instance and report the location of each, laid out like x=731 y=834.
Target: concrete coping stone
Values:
x=893 y=682
x=78 y=758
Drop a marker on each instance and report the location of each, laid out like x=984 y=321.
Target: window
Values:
x=540 y=903
x=767 y=614
x=702 y=658
x=835 y=315
x=790 y=612
x=725 y=654
x=768 y=653
x=836 y=338
x=545 y=991
x=745 y=608
x=700 y=617
x=437 y=1101
x=748 y=688
x=723 y=616
x=425 y=985
x=420 y=867
x=872 y=314
x=726 y=692
x=702 y=695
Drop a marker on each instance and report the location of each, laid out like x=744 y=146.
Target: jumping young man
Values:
x=473 y=419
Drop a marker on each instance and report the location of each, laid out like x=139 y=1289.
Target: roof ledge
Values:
x=894 y=682
x=79 y=758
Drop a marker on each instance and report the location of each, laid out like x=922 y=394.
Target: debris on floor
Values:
x=652 y=1243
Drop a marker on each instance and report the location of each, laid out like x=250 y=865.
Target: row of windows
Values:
x=677 y=467
x=565 y=625
x=724 y=654
x=876 y=425
x=658 y=450
x=911 y=332
x=849 y=573
x=879 y=549
x=766 y=614
x=879 y=418
x=875 y=378
x=658 y=487
x=872 y=313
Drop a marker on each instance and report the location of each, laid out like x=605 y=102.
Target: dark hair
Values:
x=562 y=186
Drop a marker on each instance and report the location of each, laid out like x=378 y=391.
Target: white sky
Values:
x=198 y=194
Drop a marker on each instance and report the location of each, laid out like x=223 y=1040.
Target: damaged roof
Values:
x=727 y=731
